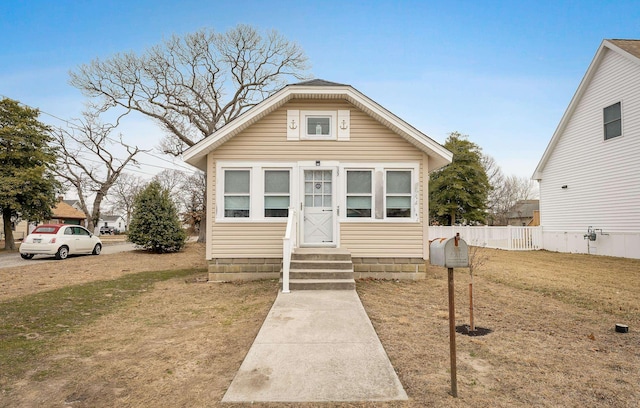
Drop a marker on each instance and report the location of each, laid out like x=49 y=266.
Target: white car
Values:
x=60 y=240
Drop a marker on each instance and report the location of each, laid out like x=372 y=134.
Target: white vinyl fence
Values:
x=510 y=238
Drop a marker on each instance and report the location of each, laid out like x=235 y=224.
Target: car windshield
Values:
x=48 y=229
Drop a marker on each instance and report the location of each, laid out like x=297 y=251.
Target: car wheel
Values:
x=97 y=249
x=62 y=253
x=26 y=256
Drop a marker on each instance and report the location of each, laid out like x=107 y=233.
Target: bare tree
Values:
x=123 y=193
x=193 y=201
x=505 y=191
x=477 y=259
x=88 y=162
x=173 y=180
x=193 y=85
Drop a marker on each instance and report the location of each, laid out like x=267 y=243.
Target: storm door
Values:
x=318 y=214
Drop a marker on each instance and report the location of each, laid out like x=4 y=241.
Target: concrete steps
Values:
x=321 y=269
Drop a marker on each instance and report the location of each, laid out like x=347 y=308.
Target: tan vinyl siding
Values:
x=266 y=141
x=369 y=140
x=247 y=240
x=382 y=239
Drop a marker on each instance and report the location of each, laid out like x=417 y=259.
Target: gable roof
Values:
x=524 y=209
x=64 y=210
x=629 y=49
x=318 y=89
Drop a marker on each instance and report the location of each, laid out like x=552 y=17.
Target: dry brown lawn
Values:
x=179 y=345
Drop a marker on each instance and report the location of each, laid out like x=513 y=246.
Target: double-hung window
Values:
x=237 y=193
x=612 y=121
x=398 y=194
x=276 y=193
x=359 y=193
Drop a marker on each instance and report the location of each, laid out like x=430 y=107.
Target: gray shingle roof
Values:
x=318 y=82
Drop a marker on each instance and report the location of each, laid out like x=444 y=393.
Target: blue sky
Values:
x=502 y=72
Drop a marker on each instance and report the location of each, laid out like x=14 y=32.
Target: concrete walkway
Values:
x=316 y=346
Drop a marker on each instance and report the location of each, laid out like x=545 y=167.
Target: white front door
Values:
x=318 y=213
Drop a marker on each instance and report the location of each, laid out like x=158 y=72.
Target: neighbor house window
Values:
x=276 y=193
x=359 y=196
x=237 y=198
x=398 y=194
x=612 y=121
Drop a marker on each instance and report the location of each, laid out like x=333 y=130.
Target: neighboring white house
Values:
x=115 y=221
x=590 y=173
x=355 y=174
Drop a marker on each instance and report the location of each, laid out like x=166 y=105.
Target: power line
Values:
x=186 y=169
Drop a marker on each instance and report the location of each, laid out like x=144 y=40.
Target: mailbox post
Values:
x=450 y=253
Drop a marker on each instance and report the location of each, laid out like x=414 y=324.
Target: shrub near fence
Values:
x=510 y=237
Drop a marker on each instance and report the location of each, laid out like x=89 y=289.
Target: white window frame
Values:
x=411 y=194
x=256 y=189
x=333 y=120
x=265 y=194
x=225 y=194
x=381 y=168
x=371 y=194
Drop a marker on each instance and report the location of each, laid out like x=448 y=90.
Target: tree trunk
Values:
x=9 y=242
x=95 y=215
x=202 y=233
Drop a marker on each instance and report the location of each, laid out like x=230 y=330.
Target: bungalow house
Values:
x=63 y=213
x=589 y=173
x=352 y=176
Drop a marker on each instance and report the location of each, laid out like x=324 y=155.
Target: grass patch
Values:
x=29 y=325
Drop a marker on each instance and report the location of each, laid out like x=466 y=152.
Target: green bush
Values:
x=155 y=224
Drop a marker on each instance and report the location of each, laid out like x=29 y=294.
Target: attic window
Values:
x=612 y=121
x=319 y=125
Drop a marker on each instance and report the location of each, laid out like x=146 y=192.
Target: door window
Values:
x=317 y=188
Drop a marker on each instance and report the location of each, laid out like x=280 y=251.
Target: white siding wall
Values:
x=602 y=177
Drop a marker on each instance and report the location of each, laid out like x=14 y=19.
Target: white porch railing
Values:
x=510 y=237
x=288 y=245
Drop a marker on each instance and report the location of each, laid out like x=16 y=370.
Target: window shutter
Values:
x=344 y=124
x=293 y=125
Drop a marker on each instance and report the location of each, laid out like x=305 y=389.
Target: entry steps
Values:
x=321 y=269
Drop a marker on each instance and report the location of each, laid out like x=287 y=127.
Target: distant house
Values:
x=20 y=229
x=63 y=213
x=354 y=174
x=590 y=172
x=525 y=213
x=114 y=221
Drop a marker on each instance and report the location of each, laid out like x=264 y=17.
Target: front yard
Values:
x=128 y=339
